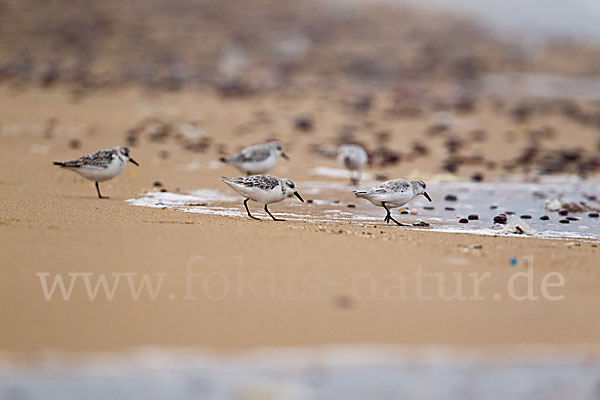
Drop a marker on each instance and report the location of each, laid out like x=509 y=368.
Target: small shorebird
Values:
x=100 y=166
x=257 y=159
x=392 y=194
x=265 y=189
x=354 y=158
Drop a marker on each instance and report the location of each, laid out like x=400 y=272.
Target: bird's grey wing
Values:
x=264 y=182
x=99 y=159
x=398 y=185
x=253 y=154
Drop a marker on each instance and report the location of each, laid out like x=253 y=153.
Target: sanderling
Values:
x=257 y=159
x=392 y=194
x=100 y=166
x=353 y=157
x=265 y=189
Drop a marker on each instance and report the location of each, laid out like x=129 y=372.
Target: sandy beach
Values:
x=261 y=283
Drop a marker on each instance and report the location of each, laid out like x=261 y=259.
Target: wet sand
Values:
x=52 y=222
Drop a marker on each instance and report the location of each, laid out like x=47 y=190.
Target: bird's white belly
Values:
x=258 y=195
x=102 y=174
x=391 y=200
x=260 y=167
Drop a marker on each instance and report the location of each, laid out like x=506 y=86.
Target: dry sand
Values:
x=51 y=221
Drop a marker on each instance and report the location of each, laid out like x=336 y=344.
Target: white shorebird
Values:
x=264 y=189
x=100 y=166
x=393 y=194
x=257 y=159
x=353 y=157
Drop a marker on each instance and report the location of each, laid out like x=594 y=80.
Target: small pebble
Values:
x=563 y=212
x=564 y=221
x=336 y=202
x=163 y=190
x=500 y=219
x=493 y=207
x=463 y=221
x=157 y=184
x=450 y=197
x=473 y=217
x=404 y=212
x=477 y=177
x=593 y=215
x=304 y=124
x=429 y=208
x=525 y=216
x=449 y=208
x=572 y=218
x=74 y=143
x=309 y=201
x=351 y=206
x=509 y=212
x=544 y=218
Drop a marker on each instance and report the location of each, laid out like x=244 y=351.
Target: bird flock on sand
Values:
x=255 y=161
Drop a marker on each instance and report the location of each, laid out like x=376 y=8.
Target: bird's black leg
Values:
x=247 y=210
x=274 y=219
x=389 y=217
x=98 y=190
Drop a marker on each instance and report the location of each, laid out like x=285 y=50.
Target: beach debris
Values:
x=564 y=221
x=473 y=217
x=449 y=208
x=463 y=221
x=451 y=197
x=477 y=177
x=544 y=218
x=564 y=207
x=518 y=226
x=593 y=215
x=525 y=216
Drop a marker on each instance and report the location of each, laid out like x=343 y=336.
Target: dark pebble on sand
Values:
x=544 y=218
x=463 y=221
x=74 y=143
x=351 y=206
x=309 y=201
x=525 y=216
x=593 y=215
x=493 y=207
x=449 y=208
x=477 y=177
x=336 y=202
x=563 y=212
x=509 y=212
x=564 y=221
x=429 y=208
x=163 y=190
x=404 y=212
x=157 y=184
x=450 y=197
x=304 y=124
x=572 y=218
x=500 y=219
x=473 y=217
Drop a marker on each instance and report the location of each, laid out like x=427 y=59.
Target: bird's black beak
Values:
x=133 y=161
x=285 y=156
x=427 y=196
x=298 y=196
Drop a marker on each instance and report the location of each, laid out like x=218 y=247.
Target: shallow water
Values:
x=332 y=201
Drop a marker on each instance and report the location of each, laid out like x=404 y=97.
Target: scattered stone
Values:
x=544 y=218
x=572 y=218
x=309 y=201
x=463 y=221
x=563 y=212
x=74 y=143
x=473 y=217
x=564 y=221
x=500 y=219
x=336 y=202
x=157 y=184
x=593 y=215
x=449 y=208
x=304 y=124
x=493 y=207
x=404 y=212
x=477 y=177
x=525 y=216
x=351 y=205
x=509 y=212
x=429 y=208
x=344 y=302
x=163 y=190
x=450 y=197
